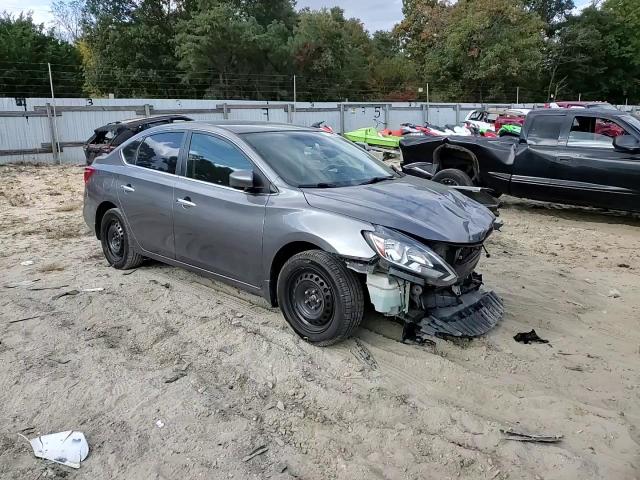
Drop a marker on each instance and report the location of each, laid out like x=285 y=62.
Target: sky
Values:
x=375 y=14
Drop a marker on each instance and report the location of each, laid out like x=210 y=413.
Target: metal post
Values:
x=424 y=113
x=225 y=111
x=427 y=103
x=147 y=110
x=517 y=95
x=387 y=109
x=457 y=113
x=579 y=96
x=341 y=106
x=294 y=95
x=56 y=148
x=289 y=113
x=52 y=132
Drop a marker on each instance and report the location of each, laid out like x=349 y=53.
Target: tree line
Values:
x=470 y=50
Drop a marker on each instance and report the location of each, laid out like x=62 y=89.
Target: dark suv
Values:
x=108 y=137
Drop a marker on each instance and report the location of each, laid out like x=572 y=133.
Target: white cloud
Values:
x=375 y=14
x=40 y=9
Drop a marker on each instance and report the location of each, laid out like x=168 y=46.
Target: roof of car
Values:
x=133 y=123
x=239 y=126
x=585 y=112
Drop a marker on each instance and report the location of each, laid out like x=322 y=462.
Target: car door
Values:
x=218 y=228
x=145 y=190
x=535 y=158
x=590 y=171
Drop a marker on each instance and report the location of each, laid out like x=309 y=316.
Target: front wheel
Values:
x=319 y=297
x=453 y=177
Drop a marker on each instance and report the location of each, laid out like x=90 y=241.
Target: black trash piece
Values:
x=529 y=337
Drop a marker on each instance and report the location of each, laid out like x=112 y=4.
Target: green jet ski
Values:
x=510 y=131
x=371 y=136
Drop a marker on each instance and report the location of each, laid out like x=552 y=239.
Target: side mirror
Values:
x=626 y=143
x=241 y=179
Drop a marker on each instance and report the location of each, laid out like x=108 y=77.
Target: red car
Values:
x=602 y=127
x=513 y=116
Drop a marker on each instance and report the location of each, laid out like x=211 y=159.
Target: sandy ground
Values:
x=172 y=376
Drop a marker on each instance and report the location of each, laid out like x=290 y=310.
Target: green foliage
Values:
x=475 y=50
x=130 y=48
x=223 y=38
x=550 y=11
x=466 y=50
x=25 y=50
x=330 y=54
x=597 y=53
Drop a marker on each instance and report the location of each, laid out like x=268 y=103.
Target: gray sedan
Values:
x=305 y=218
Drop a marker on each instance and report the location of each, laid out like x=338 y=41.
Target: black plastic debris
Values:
x=529 y=337
x=476 y=314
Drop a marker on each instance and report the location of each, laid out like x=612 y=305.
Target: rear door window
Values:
x=594 y=132
x=545 y=129
x=160 y=152
x=212 y=159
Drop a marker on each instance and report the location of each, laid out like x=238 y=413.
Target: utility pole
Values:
x=517 y=95
x=579 y=96
x=55 y=149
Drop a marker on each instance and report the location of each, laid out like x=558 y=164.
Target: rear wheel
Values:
x=453 y=177
x=320 y=298
x=117 y=244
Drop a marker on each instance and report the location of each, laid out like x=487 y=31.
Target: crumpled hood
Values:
x=410 y=204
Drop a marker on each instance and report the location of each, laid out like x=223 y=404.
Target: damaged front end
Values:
x=431 y=286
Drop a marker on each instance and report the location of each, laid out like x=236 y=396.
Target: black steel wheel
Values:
x=117 y=244
x=115 y=239
x=311 y=297
x=320 y=298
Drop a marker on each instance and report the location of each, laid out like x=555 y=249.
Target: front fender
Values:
x=329 y=231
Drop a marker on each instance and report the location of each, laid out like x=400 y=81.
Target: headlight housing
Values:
x=410 y=255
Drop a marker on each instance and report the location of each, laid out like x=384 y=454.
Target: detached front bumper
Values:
x=461 y=310
x=476 y=313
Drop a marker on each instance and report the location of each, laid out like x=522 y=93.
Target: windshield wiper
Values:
x=319 y=185
x=376 y=180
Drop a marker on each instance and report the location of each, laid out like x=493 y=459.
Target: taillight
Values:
x=88 y=171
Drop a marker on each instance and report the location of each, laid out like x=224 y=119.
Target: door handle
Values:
x=127 y=188
x=186 y=202
x=564 y=159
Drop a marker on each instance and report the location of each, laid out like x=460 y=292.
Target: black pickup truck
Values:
x=577 y=156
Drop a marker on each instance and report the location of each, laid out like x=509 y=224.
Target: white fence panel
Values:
x=26 y=131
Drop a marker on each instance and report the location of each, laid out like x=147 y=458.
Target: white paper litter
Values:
x=26 y=263
x=68 y=448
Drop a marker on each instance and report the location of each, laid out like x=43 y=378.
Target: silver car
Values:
x=305 y=218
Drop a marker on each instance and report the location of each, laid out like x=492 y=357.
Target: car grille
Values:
x=463 y=259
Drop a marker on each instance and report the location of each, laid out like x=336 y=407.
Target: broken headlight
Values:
x=410 y=255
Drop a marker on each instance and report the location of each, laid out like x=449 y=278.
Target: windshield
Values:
x=317 y=159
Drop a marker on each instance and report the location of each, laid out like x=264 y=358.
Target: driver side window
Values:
x=212 y=159
x=594 y=132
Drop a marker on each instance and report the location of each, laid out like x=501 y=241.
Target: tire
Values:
x=454 y=177
x=322 y=319
x=117 y=244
